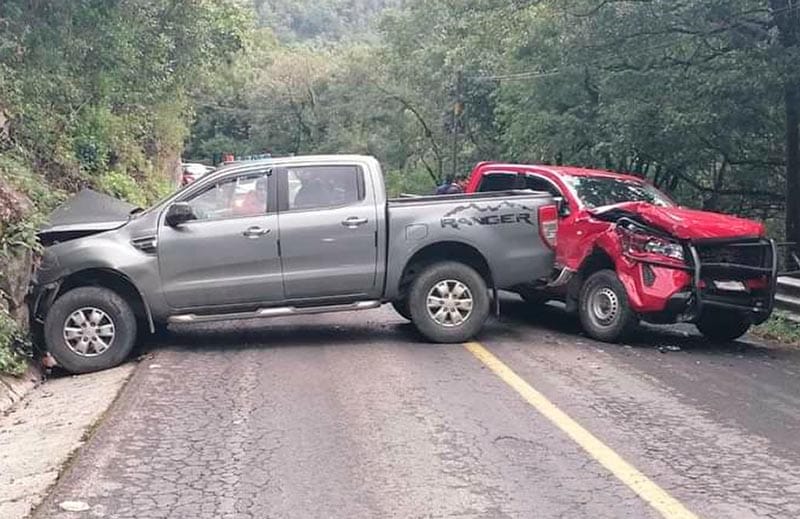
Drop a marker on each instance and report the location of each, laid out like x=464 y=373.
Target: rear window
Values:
x=315 y=187
x=500 y=182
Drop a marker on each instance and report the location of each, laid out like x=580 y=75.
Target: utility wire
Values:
x=511 y=77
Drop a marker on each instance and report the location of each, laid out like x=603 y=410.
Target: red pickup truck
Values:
x=626 y=252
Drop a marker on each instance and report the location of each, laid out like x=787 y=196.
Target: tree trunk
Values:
x=792 y=99
x=785 y=18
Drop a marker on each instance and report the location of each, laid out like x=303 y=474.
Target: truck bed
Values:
x=502 y=227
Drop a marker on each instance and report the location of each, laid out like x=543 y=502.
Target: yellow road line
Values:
x=655 y=496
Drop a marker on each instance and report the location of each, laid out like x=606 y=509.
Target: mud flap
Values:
x=496 y=299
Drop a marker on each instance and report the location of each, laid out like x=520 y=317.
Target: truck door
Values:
x=328 y=229
x=228 y=255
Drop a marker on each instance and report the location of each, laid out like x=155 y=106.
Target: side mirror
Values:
x=563 y=207
x=179 y=213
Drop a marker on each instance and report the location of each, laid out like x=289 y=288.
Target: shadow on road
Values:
x=264 y=333
x=362 y=329
x=672 y=338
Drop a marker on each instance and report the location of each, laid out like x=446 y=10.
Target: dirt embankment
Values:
x=17 y=264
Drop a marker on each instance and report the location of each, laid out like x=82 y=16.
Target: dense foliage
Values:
x=692 y=95
x=94 y=86
x=321 y=20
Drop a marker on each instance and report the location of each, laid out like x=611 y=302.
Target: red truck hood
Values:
x=688 y=224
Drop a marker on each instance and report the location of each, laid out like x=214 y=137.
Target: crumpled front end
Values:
x=85 y=214
x=670 y=279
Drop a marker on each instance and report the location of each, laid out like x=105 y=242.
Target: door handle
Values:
x=255 y=232
x=354 y=221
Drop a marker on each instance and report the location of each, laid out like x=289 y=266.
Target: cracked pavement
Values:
x=351 y=415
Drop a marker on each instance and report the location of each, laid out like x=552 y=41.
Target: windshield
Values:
x=603 y=191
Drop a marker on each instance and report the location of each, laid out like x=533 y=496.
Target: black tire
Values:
x=117 y=311
x=427 y=280
x=723 y=326
x=603 y=307
x=401 y=307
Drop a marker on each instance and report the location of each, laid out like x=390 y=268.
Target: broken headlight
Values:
x=642 y=245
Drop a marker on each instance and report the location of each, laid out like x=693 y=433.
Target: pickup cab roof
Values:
x=573 y=171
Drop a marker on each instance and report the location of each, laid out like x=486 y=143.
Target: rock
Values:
x=14 y=280
x=5 y=124
x=74 y=506
x=48 y=361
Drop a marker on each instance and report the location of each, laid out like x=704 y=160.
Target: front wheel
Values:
x=449 y=302
x=723 y=325
x=604 y=309
x=90 y=329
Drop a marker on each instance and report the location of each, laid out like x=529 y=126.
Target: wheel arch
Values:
x=110 y=279
x=444 y=251
x=598 y=259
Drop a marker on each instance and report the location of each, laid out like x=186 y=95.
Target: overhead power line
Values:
x=513 y=77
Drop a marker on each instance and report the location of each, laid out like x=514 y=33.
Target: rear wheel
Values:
x=723 y=325
x=604 y=309
x=449 y=302
x=90 y=329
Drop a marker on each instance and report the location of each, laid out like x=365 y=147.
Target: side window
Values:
x=317 y=187
x=499 y=182
x=541 y=184
x=232 y=198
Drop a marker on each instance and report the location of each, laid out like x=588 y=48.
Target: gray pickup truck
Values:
x=280 y=237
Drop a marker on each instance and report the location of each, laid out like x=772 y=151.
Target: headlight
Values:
x=664 y=248
x=639 y=244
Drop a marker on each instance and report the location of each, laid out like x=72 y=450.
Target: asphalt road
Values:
x=352 y=415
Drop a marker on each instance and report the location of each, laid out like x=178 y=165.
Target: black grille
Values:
x=744 y=254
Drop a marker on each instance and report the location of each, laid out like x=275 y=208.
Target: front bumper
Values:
x=761 y=264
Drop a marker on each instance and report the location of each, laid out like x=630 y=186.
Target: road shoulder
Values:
x=13 y=389
x=41 y=433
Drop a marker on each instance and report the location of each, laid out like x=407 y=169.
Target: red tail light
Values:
x=548 y=225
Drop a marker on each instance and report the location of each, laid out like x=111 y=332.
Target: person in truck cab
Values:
x=626 y=252
x=314 y=191
x=452 y=187
x=255 y=201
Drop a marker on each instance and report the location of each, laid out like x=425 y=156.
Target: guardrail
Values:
x=787 y=298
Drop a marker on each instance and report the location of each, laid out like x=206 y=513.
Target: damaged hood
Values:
x=685 y=224
x=87 y=212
